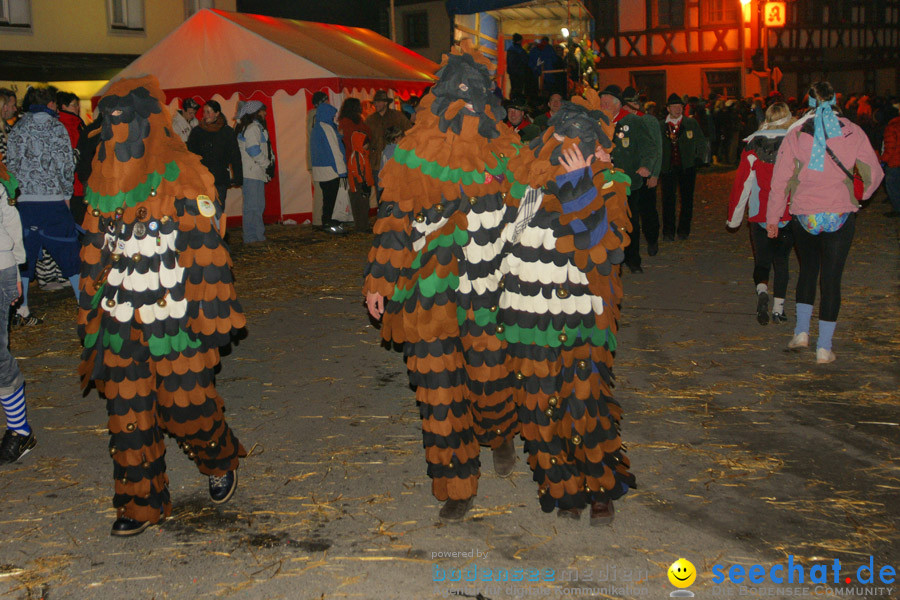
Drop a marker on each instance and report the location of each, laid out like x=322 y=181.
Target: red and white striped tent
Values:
x=231 y=57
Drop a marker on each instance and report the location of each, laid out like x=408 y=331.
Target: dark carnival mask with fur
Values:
x=126 y=122
x=575 y=122
x=464 y=80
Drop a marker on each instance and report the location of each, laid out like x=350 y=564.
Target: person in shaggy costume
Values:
x=433 y=274
x=559 y=308
x=157 y=301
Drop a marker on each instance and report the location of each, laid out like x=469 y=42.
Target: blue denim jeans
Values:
x=254 y=205
x=10 y=375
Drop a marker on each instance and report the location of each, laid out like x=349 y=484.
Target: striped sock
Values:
x=14 y=406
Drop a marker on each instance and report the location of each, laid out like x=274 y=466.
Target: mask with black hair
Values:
x=575 y=122
x=464 y=80
x=132 y=110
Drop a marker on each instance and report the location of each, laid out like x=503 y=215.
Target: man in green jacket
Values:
x=683 y=151
x=637 y=152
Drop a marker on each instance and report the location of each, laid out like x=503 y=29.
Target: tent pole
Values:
x=393 y=24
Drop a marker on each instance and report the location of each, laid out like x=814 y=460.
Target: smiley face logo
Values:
x=682 y=573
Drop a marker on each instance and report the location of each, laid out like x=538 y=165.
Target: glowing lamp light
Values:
x=565 y=32
x=745 y=9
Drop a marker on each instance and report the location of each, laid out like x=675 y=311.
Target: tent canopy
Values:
x=215 y=48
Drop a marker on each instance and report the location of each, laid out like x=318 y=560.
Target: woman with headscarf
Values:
x=256 y=158
x=815 y=170
x=751 y=192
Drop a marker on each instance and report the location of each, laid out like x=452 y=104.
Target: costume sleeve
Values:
x=13 y=225
x=656 y=140
x=741 y=190
x=781 y=175
x=213 y=312
x=393 y=231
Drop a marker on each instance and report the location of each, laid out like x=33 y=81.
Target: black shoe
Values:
x=455 y=510
x=636 y=268
x=15 y=445
x=124 y=527
x=505 y=458
x=602 y=513
x=762 y=308
x=778 y=318
x=668 y=237
x=221 y=488
x=569 y=513
x=653 y=249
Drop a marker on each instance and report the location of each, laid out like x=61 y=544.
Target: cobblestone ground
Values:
x=745 y=453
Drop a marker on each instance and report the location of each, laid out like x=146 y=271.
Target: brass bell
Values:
x=130 y=427
x=553 y=401
x=192 y=454
x=562 y=293
x=519 y=375
x=142 y=213
x=542 y=491
x=563 y=338
x=124 y=480
x=602 y=489
x=500 y=328
x=549 y=412
x=213 y=444
x=452 y=465
x=473 y=200
x=146 y=465
x=553 y=460
x=153 y=192
x=120 y=211
x=420 y=218
x=502 y=155
x=95 y=212
x=582 y=364
x=136 y=257
x=110 y=302
x=439 y=208
x=576 y=439
x=85 y=200
x=161 y=302
x=587 y=488
x=502 y=283
x=503 y=195
x=112 y=450
x=164 y=219
x=116 y=257
x=493 y=309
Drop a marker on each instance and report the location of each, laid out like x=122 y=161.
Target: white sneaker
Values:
x=800 y=340
x=824 y=356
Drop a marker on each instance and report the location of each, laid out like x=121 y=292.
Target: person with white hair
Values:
x=256 y=161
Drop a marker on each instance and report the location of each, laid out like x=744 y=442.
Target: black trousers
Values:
x=825 y=253
x=683 y=180
x=329 y=196
x=642 y=204
x=768 y=252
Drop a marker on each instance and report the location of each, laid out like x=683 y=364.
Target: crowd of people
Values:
x=501 y=237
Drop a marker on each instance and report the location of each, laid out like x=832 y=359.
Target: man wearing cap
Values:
x=378 y=123
x=184 y=120
x=683 y=151
x=517 y=120
x=649 y=217
x=637 y=153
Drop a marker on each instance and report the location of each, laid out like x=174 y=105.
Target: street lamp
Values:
x=746 y=12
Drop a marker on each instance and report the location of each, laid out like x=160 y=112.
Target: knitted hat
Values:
x=674 y=99
x=248 y=108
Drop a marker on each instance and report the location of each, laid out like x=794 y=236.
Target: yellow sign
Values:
x=774 y=14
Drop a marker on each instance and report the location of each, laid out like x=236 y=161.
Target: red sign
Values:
x=774 y=14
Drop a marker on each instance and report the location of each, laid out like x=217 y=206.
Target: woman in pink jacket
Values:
x=814 y=171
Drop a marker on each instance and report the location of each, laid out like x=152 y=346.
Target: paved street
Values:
x=745 y=453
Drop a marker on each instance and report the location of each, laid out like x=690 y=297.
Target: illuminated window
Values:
x=668 y=13
x=192 y=7
x=415 y=30
x=126 y=15
x=15 y=13
x=725 y=82
x=721 y=11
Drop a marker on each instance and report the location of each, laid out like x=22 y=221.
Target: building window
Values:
x=126 y=15
x=668 y=13
x=15 y=13
x=808 y=13
x=415 y=30
x=192 y=7
x=720 y=11
x=606 y=19
x=725 y=82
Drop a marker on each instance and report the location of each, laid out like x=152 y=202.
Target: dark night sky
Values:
x=353 y=13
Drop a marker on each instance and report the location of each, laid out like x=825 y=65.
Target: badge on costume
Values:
x=690 y=134
x=625 y=142
x=206 y=206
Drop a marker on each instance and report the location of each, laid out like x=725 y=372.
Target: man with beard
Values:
x=157 y=301
x=559 y=309
x=433 y=274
